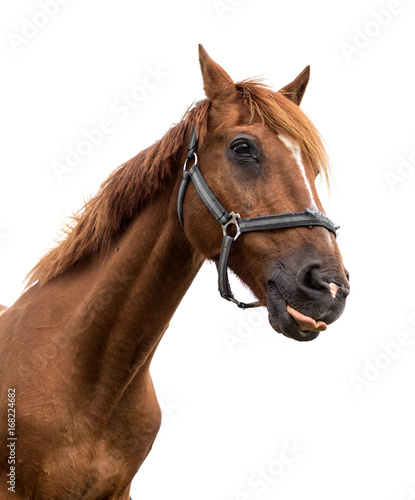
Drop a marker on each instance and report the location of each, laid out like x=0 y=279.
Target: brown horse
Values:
x=76 y=347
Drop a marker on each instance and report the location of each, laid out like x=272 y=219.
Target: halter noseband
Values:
x=308 y=218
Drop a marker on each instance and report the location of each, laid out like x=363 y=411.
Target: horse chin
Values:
x=281 y=321
x=289 y=328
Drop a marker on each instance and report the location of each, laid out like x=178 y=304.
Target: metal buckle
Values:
x=234 y=220
x=187 y=159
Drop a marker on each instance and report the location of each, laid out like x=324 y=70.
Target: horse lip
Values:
x=294 y=332
x=280 y=320
x=306 y=323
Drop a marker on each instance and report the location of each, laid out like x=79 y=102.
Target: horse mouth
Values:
x=289 y=321
x=306 y=323
x=287 y=325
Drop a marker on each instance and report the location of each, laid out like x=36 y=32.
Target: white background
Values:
x=228 y=413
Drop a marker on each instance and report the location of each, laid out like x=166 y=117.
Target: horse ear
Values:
x=216 y=82
x=296 y=89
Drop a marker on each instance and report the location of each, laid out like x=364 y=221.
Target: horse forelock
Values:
x=284 y=116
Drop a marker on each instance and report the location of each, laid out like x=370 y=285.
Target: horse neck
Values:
x=134 y=295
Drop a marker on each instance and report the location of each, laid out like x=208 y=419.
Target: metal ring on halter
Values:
x=187 y=159
x=233 y=221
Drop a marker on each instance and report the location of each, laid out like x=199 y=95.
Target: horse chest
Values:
x=87 y=477
x=88 y=465
x=91 y=468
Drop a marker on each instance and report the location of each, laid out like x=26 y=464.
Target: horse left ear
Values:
x=217 y=84
x=296 y=89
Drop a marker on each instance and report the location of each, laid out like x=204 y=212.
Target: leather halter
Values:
x=309 y=217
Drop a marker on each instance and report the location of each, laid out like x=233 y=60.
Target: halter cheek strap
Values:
x=308 y=218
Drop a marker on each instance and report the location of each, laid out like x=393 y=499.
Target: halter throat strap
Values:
x=308 y=217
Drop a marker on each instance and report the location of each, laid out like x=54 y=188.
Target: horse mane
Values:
x=119 y=199
x=122 y=195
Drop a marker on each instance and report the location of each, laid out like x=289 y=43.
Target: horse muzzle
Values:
x=305 y=293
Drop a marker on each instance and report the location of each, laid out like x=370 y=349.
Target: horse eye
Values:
x=243 y=149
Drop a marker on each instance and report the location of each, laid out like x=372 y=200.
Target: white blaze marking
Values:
x=296 y=152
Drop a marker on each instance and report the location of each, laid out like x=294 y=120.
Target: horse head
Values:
x=260 y=155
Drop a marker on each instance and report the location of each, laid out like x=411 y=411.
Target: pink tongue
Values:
x=305 y=323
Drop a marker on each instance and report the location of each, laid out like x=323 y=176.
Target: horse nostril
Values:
x=312 y=278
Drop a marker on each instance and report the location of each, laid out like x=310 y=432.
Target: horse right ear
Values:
x=217 y=84
x=295 y=90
